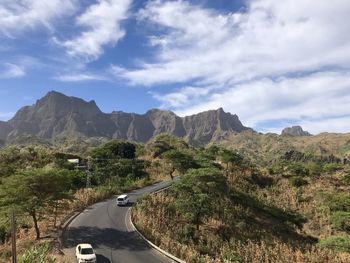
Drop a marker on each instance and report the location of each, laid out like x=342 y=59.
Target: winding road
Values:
x=108 y=229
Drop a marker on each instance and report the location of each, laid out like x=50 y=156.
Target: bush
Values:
x=315 y=169
x=4 y=234
x=37 y=254
x=346 y=177
x=297 y=181
x=337 y=243
x=260 y=180
x=299 y=169
x=341 y=221
x=337 y=201
x=332 y=167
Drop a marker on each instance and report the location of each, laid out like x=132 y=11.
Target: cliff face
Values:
x=206 y=126
x=59 y=115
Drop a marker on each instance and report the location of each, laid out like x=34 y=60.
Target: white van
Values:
x=122 y=200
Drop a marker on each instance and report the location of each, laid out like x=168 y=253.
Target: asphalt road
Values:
x=107 y=228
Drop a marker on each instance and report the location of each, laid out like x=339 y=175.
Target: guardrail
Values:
x=167 y=254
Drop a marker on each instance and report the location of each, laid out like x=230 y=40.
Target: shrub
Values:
x=297 y=181
x=346 y=177
x=260 y=180
x=337 y=201
x=37 y=254
x=332 y=167
x=4 y=234
x=299 y=169
x=341 y=221
x=315 y=169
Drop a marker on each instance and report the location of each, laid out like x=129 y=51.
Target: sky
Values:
x=273 y=63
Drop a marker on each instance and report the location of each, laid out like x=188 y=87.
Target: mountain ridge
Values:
x=58 y=115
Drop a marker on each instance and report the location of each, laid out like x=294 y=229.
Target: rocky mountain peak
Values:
x=295 y=131
x=57 y=114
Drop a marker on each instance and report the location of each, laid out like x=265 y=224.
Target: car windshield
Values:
x=86 y=251
x=120 y=199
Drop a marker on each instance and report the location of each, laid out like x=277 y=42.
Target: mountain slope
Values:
x=57 y=115
x=211 y=125
x=5 y=129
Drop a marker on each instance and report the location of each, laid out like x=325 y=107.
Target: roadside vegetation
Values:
x=227 y=208
x=44 y=189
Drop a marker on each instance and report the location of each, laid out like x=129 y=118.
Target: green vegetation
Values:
x=341 y=221
x=37 y=254
x=32 y=191
x=41 y=186
x=226 y=208
x=229 y=205
x=337 y=243
x=297 y=181
x=178 y=160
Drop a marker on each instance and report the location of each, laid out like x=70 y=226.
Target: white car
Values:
x=122 y=200
x=85 y=253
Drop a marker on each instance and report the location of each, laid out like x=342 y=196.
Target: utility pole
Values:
x=13 y=237
x=88 y=174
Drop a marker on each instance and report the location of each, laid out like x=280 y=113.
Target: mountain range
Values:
x=57 y=115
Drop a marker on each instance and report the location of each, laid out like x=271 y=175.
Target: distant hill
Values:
x=58 y=116
x=268 y=147
x=295 y=131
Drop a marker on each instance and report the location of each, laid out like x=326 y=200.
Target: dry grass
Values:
x=26 y=237
x=160 y=225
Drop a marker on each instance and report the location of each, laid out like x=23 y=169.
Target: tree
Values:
x=197 y=194
x=30 y=192
x=179 y=161
x=113 y=150
x=112 y=159
x=232 y=159
x=212 y=152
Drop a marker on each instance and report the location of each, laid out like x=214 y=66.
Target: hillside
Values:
x=72 y=124
x=225 y=208
x=266 y=147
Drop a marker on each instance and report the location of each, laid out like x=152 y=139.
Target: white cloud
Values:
x=80 y=77
x=185 y=96
x=273 y=63
x=312 y=100
x=28 y=14
x=271 y=38
x=333 y=125
x=102 y=22
x=9 y=70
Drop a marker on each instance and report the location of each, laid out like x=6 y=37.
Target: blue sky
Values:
x=273 y=63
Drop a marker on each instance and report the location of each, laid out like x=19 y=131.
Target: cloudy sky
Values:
x=273 y=63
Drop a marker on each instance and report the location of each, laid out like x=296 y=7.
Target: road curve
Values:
x=107 y=228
